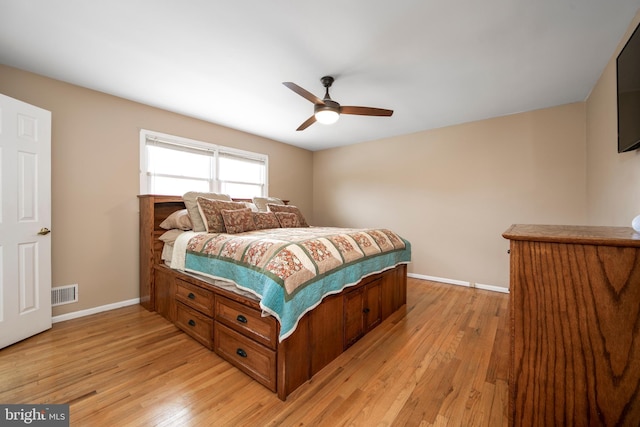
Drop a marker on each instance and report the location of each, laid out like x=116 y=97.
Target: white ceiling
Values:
x=435 y=62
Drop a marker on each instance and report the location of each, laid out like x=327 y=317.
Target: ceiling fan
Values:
x=327 y=110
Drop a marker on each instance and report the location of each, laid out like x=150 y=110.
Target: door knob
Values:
x=44 y=231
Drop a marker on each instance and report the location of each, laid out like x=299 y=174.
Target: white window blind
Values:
x=173 y=165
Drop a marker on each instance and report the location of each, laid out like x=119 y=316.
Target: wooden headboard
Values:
x=153 y=210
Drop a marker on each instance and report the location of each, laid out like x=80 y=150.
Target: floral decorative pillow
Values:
x=210 y=210
x=264 y=220
x=287 y=219
x=289 y=209
x=238 y=220
x=191 y=203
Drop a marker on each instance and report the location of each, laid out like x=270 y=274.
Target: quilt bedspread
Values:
x=292 y=269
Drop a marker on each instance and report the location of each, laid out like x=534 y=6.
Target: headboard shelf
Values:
x=153 y=210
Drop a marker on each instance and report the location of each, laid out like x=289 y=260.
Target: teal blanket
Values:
x=292 y=269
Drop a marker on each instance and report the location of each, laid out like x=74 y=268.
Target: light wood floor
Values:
x=441 y=361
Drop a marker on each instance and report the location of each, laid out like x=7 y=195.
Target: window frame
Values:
x=192 y=144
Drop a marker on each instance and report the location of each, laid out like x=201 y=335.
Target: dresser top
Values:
x=579 y=234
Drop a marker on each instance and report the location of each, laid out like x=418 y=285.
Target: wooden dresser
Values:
x=575 y=326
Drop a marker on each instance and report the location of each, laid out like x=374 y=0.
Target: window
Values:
x=173 y=165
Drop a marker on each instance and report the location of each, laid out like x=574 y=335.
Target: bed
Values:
x=279 y=325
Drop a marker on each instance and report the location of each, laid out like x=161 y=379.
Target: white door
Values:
x=25 y=197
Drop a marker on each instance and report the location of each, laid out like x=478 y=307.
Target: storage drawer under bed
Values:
x=195 y=297
x=256 y=360
x=247 y=321
x=195 y=324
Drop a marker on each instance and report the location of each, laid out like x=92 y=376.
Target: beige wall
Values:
x=95 y=163
x=453 y=191
x=613 y=181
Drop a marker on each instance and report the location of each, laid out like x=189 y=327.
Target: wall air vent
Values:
x=64 y=295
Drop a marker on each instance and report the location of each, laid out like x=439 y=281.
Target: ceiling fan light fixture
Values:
x=327 y=116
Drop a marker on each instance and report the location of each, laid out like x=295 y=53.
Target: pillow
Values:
x=238 y=220
x=251 y=206
x=265 y=220
x=289 y=209
x=210 y=210
x=179 y=219
x=261 y=202
x=170 y=236
x=192 y=206
x=287 y=219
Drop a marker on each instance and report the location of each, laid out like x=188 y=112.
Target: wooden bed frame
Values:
x=233 y=326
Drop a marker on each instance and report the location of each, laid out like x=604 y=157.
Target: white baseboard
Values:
x=440 y=279
x=95 y=310
x=492 y=288
x=459 y=283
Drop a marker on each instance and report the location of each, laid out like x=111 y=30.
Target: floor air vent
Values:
x=64 y=295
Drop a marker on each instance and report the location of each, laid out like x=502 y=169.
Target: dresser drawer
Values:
x=247 y=321
x=195 y=297
x=256 y=360
x=196 y=324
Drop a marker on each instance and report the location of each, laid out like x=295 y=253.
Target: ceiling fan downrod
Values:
x=327 y=81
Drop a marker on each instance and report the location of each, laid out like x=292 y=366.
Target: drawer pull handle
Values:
x=366 y=310
x=192 y=322
x=191 y=295
x=241 y=318
x=240 y=352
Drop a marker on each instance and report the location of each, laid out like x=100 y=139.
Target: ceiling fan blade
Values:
x=303 y=93
x=311 y=120
x=366 y=111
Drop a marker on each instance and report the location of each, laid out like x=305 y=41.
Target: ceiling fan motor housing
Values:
x=329 y=105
